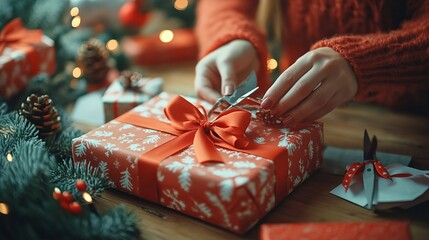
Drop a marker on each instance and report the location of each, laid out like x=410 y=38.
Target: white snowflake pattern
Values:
x=226 y=187
x=132 y=161
x=244 y=164
x=126 y=180
x=297 y=181
x=175 y=202
x=217 y=203
x=248 y=209
x=85 y=143
x=135 y=147
x=263 y=176
x=125 y=127
x=184 y=176
x=116 y=164
x=203 y=209
x=127 y=138
x=225 y=173
x=260 y=140
x=151 y=139
x=110 y=148
x=103 y=167
x=310 y=149
x=102 y=134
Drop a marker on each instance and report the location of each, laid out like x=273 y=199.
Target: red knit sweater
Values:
x=386 y=42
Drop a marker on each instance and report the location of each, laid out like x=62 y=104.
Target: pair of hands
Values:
x=314 y=85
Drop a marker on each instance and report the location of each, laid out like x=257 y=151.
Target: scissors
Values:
x=369 y=176
x=245 y=89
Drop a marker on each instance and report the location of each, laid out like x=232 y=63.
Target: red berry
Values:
x=67 y=197
x=81 y=185
x=75 y=208
x=56 y=194
x=65 y=205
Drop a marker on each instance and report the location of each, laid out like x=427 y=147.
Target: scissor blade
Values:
x=248 y=84
x=369 y=184
x=366 y=145
x=242 y=97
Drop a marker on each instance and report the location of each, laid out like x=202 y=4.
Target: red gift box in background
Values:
x=150 y=50
x=388 y=230
x=23 y=54
x=234 y=195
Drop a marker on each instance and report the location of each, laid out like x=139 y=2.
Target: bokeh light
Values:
x=181 y=4
x=166 y=36
x=4 y=209
x=272 y=64
x=77 y=72
x=112 y=45
x=74 y=11
x=75 y=22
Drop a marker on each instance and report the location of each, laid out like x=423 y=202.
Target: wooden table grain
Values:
x=397 y=132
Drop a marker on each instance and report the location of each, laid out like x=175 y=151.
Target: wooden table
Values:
x=311 y=202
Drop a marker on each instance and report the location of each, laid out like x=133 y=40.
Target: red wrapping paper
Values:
x=22 y=59
x=388 y=230
x=233 y=195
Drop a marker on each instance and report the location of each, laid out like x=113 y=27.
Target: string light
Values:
x=75 y=22
x=9 y=157
x=112 y=45
x=87 y=197
x=272 y=64
x=181 y=4
x=76 y=72
x=74 y=11
x=166 y=36
x=4 y=209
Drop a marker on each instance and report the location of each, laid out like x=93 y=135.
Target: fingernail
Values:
x=266 y=103
x=288 y=121
x=228 y=89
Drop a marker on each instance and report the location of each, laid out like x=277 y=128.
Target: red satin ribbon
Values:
x=193 y=127
x=16 y=36
x=358 y=167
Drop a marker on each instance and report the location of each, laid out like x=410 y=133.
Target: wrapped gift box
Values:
x=18 y=64
x=234 y=194
x=335 y=230
x=151 y=51
x=118 y=100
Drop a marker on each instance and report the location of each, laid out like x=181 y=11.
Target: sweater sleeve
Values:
x=392 y=68
x=221 y=21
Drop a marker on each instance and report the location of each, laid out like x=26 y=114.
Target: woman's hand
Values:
x=221 y=71
x=314 y=85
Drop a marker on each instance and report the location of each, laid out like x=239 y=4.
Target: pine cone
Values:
x=132 y=80
x=40 y=112
x=92 y=60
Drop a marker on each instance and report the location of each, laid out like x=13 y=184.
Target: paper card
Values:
x=397 y=192
x=88 y=109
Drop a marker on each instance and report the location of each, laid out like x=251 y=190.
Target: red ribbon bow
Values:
x=193 y=127
x=16 y=36
x=358 y=167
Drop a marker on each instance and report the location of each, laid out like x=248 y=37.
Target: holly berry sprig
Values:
x=67 y=201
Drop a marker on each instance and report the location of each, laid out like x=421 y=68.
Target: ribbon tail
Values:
x=351 y=172
x=149 y=162
x=381 y=170
x=205 y=150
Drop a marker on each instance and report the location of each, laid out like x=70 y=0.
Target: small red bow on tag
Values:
x=15 y=35
x=358 y=167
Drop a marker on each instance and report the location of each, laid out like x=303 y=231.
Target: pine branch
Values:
x=64 y=176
